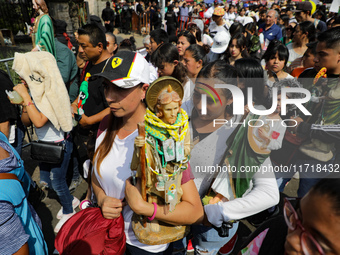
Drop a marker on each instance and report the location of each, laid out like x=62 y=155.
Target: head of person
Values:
x=284 y=83
x=196 y=31
x=290 y=30
x=203 y=7
x=226 y=8
x=276 y=56
x=284 y=20
x=40 y=5
x=111 y=43
x=185 y=39
x=237 y=45
x=336 y=22
x=107 y=4
x=303 y=11
x=246 y=7
x=304 y=31
x=158 y=37
x=262 y=15
x=124 y=96
x=250 y=28
x=328 y=51
x=147 y=44
x=250 y=75
x=127 y=44
x=231 y=9
x=217 y=72
x=313 y=223
x=92 y=42
x=168 y=105
x=166 y=59
x=221 y=42
x=235 y=28
x=289 y=10
x=242 y=12
x=271 y=17
x=217 y=16
x=194 y=59
x=309 y=55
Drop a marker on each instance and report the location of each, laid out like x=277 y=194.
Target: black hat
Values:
x=304 y=6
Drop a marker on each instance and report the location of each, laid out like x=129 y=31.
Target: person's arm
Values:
x=263 y=195
x=88 y=121
x=4 y=128
x=24 y=250
x=12 y=234
x=31 y=113
x=111 y=207
x=188 y=211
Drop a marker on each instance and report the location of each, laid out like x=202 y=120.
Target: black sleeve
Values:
x=324 y=136
x=275 y=238
x=7 y=110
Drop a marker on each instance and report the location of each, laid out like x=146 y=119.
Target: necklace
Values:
x=129 y=129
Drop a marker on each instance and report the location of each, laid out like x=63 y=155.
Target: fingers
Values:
x=112 y=207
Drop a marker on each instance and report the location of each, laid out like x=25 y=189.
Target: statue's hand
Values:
x=139 y=141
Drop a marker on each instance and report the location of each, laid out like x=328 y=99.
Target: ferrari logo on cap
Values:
x=116 y=62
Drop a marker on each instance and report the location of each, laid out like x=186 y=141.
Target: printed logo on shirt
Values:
x=116 y=62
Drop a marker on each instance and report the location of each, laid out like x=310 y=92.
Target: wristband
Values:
x=154 y=212
x=84 y=204
x=75 y=104
x=29 y=103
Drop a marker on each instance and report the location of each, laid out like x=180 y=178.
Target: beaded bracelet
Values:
x=154 y=212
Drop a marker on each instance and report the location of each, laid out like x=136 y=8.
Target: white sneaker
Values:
x=75 y=203
x=63 y=219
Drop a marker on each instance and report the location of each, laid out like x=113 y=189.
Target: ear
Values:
x=176 y=62
x=100 y=47
x=144 y=89
x=200 y=63
x=115 y=46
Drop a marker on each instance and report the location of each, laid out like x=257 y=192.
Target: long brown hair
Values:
x=106 y=145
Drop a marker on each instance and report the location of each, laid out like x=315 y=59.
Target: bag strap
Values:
x=8 y=176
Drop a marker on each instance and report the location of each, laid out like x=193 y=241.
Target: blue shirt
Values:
x=274 y=32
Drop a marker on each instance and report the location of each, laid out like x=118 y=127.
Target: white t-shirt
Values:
x=292 y=54
x=214 y=28
x=229 y=17
x=189 y=87
x=114 y=170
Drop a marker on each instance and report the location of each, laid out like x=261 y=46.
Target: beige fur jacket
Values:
x=47 y=88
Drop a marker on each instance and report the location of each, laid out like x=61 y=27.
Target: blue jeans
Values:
x=54 y=175
x=207 y=241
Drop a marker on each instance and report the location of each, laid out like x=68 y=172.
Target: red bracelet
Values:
x=154 y=212
x=84 y=203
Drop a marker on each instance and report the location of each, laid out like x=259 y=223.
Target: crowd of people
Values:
x=211 y=76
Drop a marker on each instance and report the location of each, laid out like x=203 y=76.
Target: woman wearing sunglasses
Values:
x=313 y=225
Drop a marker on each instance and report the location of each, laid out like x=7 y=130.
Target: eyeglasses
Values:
x=308 y=243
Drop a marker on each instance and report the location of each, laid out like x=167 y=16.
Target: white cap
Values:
x=221 y=42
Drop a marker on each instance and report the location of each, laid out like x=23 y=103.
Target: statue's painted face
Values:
x=170 y=112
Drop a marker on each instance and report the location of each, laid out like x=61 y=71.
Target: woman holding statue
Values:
x=126 y=82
